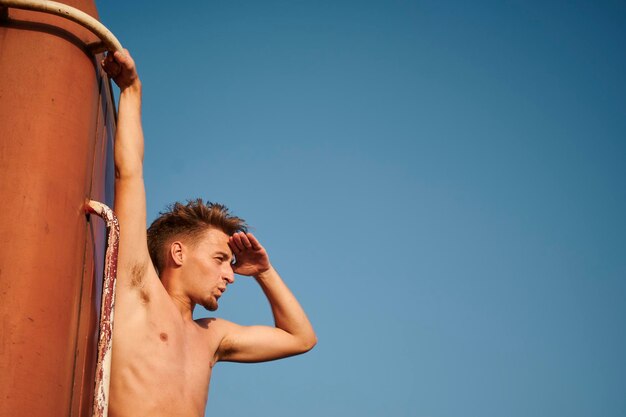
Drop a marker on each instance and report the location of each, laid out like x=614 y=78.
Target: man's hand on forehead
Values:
x=251 y=259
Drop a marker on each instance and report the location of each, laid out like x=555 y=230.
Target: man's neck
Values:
x=180 y=299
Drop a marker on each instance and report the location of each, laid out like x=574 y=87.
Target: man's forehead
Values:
x=215 y=236
x=216 y=240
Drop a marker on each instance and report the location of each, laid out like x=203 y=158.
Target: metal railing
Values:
x=59 y=9
x=107 y=308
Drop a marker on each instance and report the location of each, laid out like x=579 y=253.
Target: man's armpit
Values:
x=226 y=346
x=138 y=273
x=138 y=276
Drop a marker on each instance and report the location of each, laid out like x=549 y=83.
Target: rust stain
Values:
x=103 y=366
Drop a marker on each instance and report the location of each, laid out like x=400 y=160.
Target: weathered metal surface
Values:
x=107 y=310
x=102 y=190
x=51 y=96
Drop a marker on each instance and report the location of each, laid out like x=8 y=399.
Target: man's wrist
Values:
x=265 y=275
x=133 y=88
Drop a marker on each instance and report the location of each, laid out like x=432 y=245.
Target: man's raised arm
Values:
x=292 y=334
x=130 y=199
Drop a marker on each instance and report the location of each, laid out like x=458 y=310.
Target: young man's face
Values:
x=209 y=264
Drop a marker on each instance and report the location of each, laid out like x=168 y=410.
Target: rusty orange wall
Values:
x=55 y=129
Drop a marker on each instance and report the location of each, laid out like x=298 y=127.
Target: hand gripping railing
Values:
x=103 y=367
x=110 y=41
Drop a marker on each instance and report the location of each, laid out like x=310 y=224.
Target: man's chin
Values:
x=211 y=306
x=210 y=303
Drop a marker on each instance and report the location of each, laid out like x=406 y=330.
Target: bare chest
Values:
x=161 y=365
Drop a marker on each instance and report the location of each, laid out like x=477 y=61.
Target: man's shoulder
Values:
x=211 y=332
x=215 y=328
x=212 y=323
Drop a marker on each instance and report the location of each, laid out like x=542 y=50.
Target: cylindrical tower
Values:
x=56 y=126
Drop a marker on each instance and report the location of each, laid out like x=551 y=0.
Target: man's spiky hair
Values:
x=188 y=222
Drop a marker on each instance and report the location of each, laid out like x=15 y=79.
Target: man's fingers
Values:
x=233 y=247
x=110 y=58
x=120 y=59
x=237 y=241
x=241 y=241
x=245 y=241
x=113 y=70
x=111 y=66
x=124 y=59
x=116 y=62
x=253 y=241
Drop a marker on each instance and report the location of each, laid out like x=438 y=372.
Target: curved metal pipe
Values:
x=70 y=13
x=105 y=341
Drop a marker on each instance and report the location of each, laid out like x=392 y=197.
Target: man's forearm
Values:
x=129 y=134
x=288 y=314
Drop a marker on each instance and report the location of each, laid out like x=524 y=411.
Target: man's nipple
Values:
x=163 y=337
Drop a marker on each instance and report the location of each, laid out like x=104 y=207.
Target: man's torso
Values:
x=161 y=364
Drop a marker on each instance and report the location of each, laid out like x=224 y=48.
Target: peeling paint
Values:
x=107 y=310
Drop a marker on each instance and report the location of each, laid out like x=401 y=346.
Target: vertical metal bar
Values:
x=107 y=310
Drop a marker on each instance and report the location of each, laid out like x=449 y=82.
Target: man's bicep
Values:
x=257 y=344
x=130 y=208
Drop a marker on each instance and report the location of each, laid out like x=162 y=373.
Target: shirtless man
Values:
x=162 y=359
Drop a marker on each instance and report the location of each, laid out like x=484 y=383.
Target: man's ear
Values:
x=176 y=252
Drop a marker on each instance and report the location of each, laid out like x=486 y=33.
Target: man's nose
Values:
x=229 y=275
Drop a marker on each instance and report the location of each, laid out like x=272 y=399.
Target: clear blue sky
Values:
x=441 y=183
